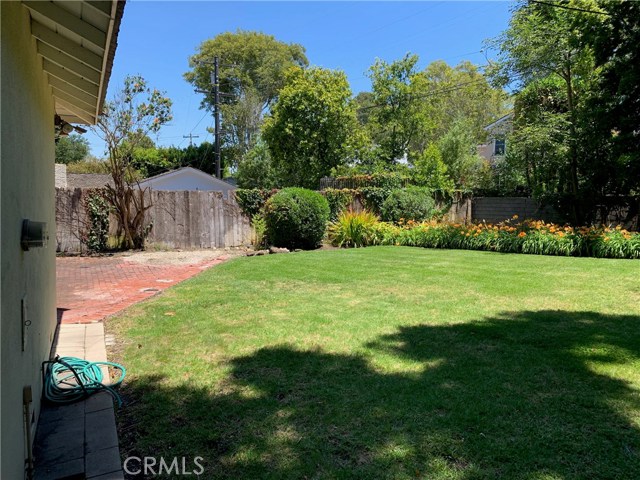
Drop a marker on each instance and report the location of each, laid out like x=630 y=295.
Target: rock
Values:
x=298 y=250
x=253 y=253
x=278 y=250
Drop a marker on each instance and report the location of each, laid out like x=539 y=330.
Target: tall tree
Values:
x=459 y=153
x=460 y=93
x=539 y=145
x=396 y=118
x=612 y=142
x=252 y=66
x=71 y=149
x=126 y=121
x=544 y=41
x=409 y=109
x=311 y=127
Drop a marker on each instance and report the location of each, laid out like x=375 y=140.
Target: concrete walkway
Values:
x=79 y=440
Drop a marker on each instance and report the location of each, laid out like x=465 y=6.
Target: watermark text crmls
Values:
x=160 y=466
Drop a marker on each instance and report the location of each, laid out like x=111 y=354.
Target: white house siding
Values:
x=27 y=181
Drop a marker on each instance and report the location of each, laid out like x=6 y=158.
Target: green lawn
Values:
x=390 y=362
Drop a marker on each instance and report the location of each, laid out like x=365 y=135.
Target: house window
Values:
x=499 y=147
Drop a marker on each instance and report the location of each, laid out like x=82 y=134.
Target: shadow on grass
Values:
x=522 y=395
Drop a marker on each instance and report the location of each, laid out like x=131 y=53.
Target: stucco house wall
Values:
x=27 y=191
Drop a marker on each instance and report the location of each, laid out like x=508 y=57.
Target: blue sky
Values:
x=157 y=38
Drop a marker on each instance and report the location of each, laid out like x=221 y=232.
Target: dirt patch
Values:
x=179 y=257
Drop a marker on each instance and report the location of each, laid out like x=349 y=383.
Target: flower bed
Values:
x=532 y=237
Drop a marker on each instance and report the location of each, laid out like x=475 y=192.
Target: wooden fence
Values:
x=185 y=219
x=196 y=219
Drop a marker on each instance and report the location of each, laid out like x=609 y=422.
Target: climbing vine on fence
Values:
x=97 y=234
x=251 y=200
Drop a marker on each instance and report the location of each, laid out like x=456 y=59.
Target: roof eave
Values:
x=114 y=30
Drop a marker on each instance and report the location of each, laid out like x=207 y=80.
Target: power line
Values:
x=191 y=136
x=567 y=7
x=449 y=89
x=196 y=126
x=388 y=24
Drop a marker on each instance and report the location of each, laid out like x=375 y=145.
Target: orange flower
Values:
x=561 y=234
x=522 y=234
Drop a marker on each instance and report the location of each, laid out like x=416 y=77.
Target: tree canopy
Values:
x=125 y=123
x=577 y=82
x=71 y=149
x=310 y=129
x=252 y=67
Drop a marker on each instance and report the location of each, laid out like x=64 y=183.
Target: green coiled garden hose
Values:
x=69 y=379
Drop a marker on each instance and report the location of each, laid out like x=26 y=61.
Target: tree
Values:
x=71 y=149
x=149 y=162
x=200 y=156
x=256 y=170
x=459 y=153
x=544 y=41
x=461 y=93
x=408 y=109
x=251 y=75
x=612 y=142
x=125 y=122
x=429 y=170
x=396 y=117
x=311 y=127
x=539 y=144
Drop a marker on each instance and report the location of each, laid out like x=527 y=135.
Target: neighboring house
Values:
x=56 y=60
x=187 y=178
x=497 y=132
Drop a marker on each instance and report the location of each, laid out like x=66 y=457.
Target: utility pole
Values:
x=190 y=137
x=215 y=83
x=216 y=112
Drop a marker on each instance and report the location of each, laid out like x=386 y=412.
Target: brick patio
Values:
x=92 y=288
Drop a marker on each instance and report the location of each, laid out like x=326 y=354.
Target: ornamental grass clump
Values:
x=354 y=229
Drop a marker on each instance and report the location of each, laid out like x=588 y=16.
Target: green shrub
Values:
x=353 y=229
x=411 y=203
x=338 y=200
x=252 y=200
x=296 y=218
x=89 y=166
x=374 y=197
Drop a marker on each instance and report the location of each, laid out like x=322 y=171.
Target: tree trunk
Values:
x=573 y=152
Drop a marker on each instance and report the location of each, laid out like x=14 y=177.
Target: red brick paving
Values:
x=90 y=289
